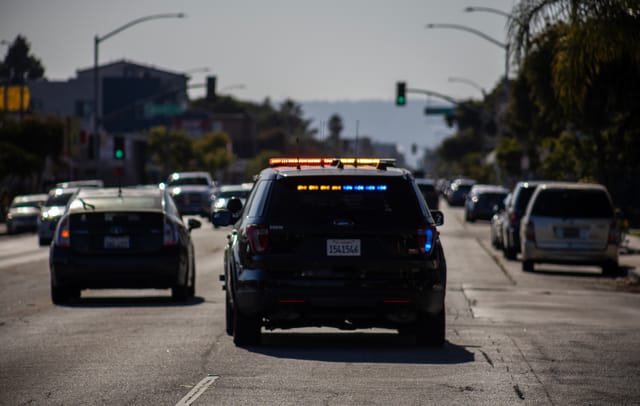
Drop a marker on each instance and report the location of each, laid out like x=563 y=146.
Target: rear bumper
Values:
x=341 y=303
x=160 y=270
x=530 y=252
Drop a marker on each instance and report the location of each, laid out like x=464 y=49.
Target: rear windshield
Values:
x=110 y=203
x=364 y=200
x=189 y=181
x=572 y=204
x=524 y=195
x=491 y=199
x=58 y=200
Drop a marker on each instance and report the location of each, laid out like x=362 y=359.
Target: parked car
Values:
x=224 y=194
x=429 y=191
x=53 y=208
x=483 y=201
x=122 y=238
x=570 y=223
x=24 y=212
x=193 y=192
x=80 y=183
x=496 y=224
x=512 y=215
x=340 y=243
x=458 y=190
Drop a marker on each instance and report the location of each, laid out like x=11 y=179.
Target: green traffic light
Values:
x=400 y=100
x=119 y=154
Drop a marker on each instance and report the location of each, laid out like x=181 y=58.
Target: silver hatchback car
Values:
x=570 y=223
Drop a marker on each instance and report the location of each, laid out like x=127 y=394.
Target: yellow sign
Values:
x=14 y=98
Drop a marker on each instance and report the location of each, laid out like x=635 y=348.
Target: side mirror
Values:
x=234 y=205
x=438 y=217
x=221 y=218
x=193 y=223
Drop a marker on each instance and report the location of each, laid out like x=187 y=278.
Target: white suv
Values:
x=570 y=223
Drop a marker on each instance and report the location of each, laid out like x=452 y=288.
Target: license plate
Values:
x=570 y=232
x=343 y=248
x=119 y=242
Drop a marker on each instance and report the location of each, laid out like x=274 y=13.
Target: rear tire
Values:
x=246 y=329
x=180 y=293
x=610 y=268
x=510 y=252
x=192 y=288
x=228 y=314
x=44 y=241
x=527 y=266
x=430 y=330
x=63 y=295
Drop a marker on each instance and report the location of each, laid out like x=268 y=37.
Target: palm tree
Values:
x=594 y=33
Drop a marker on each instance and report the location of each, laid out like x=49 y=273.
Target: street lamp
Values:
x=96 y=43
x=502 y=45
x=489 y=10
x=469 y=82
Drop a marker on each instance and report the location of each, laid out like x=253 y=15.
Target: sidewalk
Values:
x=630 y=256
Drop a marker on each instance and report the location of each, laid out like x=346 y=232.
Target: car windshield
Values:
x=361 y=200
x=189 y=181
x=33 y=203
x=234 y=193
x=572 y=204
x=58 y=199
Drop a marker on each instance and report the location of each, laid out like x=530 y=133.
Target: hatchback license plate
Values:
x=343 y=248
x=570 y=232
x=119 y=242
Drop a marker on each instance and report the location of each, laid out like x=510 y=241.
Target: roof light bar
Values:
x=378 y=162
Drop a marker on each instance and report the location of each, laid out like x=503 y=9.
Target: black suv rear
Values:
x=341 y=243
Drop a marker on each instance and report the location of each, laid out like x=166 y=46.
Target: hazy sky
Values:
x=299 y=49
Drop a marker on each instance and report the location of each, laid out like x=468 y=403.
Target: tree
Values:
x=335 y=128
x=212 y=151
x=593 y=82
x=19 y=65
x=171 y=150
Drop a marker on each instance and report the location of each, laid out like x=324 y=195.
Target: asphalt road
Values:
x=557 y=336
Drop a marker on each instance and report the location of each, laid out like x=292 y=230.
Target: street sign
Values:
x=445 y=111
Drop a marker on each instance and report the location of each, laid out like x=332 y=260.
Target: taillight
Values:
x=426 y=238
x=169 y=233
x=258 y=236
x=63 y=236
x=514 y=220
x=614 y=235
x=530 y=232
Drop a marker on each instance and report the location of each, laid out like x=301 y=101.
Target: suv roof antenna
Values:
x=298 y=152
x=355 y=164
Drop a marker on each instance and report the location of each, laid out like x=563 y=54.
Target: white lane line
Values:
x=197 y=390
x=24 y=259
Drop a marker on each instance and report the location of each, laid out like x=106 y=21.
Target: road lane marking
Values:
x=197 y=390
x=23 y=259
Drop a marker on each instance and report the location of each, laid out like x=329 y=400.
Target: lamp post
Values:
x=469 y=82
x=489 y=10
x=96 y=43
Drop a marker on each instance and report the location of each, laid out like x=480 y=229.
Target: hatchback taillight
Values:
x=427 y=238
x=63 y=236
x=169 y=233
x=514 y=220
x=530 y=232
x=258 y=236
x=614 y=235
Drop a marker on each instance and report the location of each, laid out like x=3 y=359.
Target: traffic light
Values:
x=401 y=93
x=211 y=87
x=118 y=147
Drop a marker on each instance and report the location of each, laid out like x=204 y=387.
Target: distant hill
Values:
x=383 y=121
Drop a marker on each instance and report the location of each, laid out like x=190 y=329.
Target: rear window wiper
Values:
x=86 y=205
